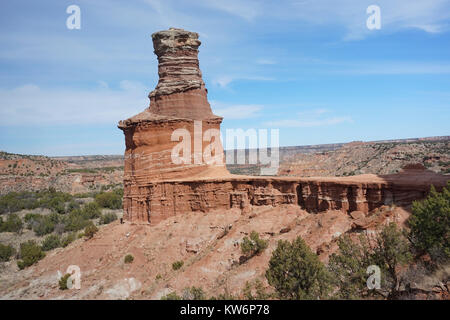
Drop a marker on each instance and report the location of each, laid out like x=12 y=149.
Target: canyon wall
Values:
x=157 y=201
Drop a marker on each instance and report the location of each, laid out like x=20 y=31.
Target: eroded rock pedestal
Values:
x=179 y=102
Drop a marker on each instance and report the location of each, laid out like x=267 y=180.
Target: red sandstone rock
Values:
x=179 y=99
x=357 y=214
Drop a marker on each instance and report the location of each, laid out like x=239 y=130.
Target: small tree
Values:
x=349 y=267
x=253 y=246
x=389 y=250
x=296 y=272
x=430 y=222
x=390 y=253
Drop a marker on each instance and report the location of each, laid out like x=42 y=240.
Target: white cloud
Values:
x=308 y=119
x=32 y=105
x=430 y=28
x=264 y=61
x=239 y=111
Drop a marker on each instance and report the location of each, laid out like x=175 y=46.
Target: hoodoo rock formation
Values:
x=179 y=101
x=156 y=186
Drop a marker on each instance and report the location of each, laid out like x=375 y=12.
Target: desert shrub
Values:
x=72 y=205
x=111 y=200
x=43 y=225
x=107 y=218
x=91 y=211
x=6 y=252
x=84 y=195
x=226 y=295
x=68 y=239
x=54 y=200
x=254 y=245
x=63 y=282
x=171 y=296
x=297 y=273
x=16 y=201
x=90 y=230
x=59 y=228
x=30 y=253
x=29 y=217
x=430 y=222
x=193 y=293
x=75 y=221
x=51 y=242
x=177 y=265
x=128 y=258
x=255 y=291
x=13 y=223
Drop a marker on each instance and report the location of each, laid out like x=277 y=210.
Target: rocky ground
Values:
x=208 y=244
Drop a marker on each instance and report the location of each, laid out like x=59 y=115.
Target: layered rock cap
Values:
x=178 y=66
x=180 y=92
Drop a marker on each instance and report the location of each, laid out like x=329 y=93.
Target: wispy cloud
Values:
x=264 y=61
x=307 y=119
x=32 y=105
x=236 y=111
x=429 y=16
x=224 y=81
x=248 y=9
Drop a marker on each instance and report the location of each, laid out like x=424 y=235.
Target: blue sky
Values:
x=310 y=68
